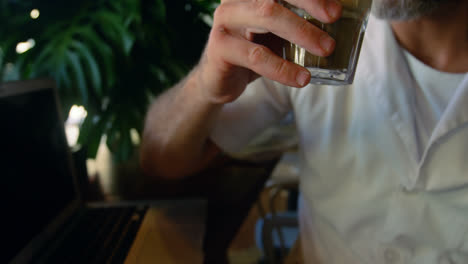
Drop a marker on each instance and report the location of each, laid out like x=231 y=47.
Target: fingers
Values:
x=268 y=16
x=232 y=49
x=327 y=11
x=261 y=60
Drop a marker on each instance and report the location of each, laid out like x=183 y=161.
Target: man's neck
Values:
x=440 y=40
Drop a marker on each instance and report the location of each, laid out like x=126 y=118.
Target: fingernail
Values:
x=327 y=43
x=302 y=78
x=333 y=8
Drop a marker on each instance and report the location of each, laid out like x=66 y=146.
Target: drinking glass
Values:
x=348 y=31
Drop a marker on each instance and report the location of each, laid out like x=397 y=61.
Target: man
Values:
x=384 y=174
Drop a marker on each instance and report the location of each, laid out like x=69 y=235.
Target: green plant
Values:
x=111 y=56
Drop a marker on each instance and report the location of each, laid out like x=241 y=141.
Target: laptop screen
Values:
x=35 y=167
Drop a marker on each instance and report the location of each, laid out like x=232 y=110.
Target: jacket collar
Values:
x=392 y=83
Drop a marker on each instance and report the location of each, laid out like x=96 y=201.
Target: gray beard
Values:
x=403 y=9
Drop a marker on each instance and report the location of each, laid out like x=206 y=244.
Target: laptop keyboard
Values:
x=102 y=235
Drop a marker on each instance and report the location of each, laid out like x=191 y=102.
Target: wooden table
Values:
x=170 y=234
x=230 y=187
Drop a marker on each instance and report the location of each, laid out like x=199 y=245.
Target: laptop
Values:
x=45 y=220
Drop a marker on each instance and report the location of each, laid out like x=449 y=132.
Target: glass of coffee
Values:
x=348 y=31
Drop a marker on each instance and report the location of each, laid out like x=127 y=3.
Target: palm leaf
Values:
x=102 y=52
x=1 y=64
x=62 y=77
x=159 y=11
x=112 y=56
x=91 y=131
x=79 y=75
x=114 y=29
x=93 y=72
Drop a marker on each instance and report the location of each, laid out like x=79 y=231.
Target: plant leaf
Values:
x=62 y=76
x=94 y=72
x=113 y=26
x=159 y=10
x=91 y=131
x=1 y=64
x=79 y=75
x=103 y=50
x=45 y=56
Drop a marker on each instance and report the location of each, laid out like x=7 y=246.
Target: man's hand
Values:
x=176 y=137
x=232 y=58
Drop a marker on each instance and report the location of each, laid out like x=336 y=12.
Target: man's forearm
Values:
x=175 y=140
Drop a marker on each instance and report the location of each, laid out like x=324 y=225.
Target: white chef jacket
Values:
x=367 y=195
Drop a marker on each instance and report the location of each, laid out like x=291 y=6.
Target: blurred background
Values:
x=109 y=58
